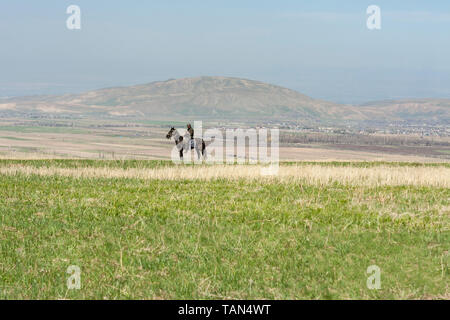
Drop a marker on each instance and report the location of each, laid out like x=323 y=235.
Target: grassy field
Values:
x=153 y=230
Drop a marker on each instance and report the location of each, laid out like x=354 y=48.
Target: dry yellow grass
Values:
x=438 y=176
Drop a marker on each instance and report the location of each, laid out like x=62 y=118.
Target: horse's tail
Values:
x=203 y=147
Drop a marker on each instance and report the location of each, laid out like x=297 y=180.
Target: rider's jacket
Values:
x=191 y=132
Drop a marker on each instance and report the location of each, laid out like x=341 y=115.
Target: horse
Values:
x=183 y=143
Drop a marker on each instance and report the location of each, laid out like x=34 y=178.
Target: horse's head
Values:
x=169 y=134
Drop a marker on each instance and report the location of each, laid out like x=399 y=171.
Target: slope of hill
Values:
x=435 y=110
x=199 y=98
x=204 y=98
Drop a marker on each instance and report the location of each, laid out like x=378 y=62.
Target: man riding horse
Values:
x=188 y=142
x=191 y=132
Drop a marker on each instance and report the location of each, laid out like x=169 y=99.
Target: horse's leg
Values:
x=198 y=152
x=181 y=154
x=203 y=150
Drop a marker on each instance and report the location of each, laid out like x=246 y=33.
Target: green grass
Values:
x=217 y=239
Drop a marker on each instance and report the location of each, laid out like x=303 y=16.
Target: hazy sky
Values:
x=320 y=48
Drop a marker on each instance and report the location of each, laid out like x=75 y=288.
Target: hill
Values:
x=428 y=110
x=205 y=98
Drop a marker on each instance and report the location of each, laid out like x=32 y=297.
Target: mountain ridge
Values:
x=208 y=97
